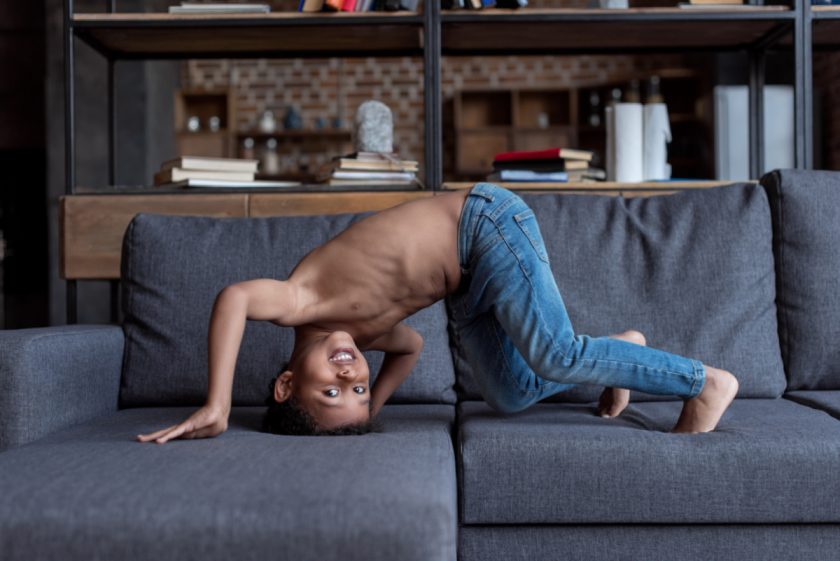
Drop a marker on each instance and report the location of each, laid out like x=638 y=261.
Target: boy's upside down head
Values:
x=323 y=390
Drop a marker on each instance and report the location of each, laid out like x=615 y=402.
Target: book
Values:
x=311 y=5
x=715 y=2
x=369 y=182
x=221 y=184
x=548 y=154
x=199 y=8
x=373 y=165
x=333 y=5
x=515 y=175
x=688 y=6
x=374 y=175
x=171 y=175
x=542 y=165
x=212 y=164
x=348 y=6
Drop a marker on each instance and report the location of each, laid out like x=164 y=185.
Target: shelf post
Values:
x=756 y=111
x=803 y=86
x=432 y=107
x=69 y=136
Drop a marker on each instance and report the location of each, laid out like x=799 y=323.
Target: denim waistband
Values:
x=480 y=197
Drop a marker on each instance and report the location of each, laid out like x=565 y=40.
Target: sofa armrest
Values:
x=54 y=377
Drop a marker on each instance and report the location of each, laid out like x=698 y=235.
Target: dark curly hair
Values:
x=290 y=418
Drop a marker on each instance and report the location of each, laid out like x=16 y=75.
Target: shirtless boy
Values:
x=482 y=251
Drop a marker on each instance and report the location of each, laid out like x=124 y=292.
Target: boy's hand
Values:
x=207 y=422
x=612 y=402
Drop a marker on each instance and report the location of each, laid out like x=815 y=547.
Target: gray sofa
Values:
x=744 y=277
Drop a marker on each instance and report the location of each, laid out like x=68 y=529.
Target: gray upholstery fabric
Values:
x=789 y=542
x=53 y=377
x=692 y=271
x=770 y=461
x=805 y=208
x=173 y=267
x=92 y=492
x=826 y=400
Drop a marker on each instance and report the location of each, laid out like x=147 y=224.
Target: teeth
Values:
x=343 y=356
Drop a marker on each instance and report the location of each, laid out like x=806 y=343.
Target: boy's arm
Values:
x=402 y=348
x=260 y=299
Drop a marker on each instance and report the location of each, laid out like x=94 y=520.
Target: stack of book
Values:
x=197 y=171
x=369 y=169
x=554 y=165
x=357 y=5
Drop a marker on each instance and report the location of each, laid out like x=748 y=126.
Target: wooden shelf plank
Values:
x=601 y=30
x=146 y=35
x=92 y=227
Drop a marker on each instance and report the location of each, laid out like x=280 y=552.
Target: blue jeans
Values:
x=512 y=325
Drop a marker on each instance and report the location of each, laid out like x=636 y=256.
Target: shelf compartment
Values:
x=572 y=31
x=292 y=34
x=826 y=29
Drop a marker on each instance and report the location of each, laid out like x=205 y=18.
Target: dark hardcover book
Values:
x=541 y=165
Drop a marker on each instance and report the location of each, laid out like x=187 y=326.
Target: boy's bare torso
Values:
x=383 y=268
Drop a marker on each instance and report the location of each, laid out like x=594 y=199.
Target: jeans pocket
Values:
x=527 y=222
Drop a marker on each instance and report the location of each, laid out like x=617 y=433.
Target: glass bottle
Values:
x=654 y=94
x=271 y=159
x=594 y=109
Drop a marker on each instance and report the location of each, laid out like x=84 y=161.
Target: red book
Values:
x=349 y=6
x=333 y=5
x=549 y=154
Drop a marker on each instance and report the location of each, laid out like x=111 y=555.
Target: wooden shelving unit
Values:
x=431 y=35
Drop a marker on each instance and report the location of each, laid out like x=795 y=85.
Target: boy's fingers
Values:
x=153 y=435
x=175 y=433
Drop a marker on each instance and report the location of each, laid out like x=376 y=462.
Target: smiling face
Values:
x=329 y=378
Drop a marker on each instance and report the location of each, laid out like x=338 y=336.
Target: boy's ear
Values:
x=283 y=387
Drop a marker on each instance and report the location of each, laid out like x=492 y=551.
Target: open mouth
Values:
x=343 y=356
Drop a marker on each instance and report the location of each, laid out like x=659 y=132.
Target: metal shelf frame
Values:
x=433 y=26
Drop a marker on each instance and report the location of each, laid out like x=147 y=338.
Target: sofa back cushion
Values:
x=805 y=207
x=692 y=271
x=173 y=267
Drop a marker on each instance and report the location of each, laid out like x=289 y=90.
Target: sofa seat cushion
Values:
x=826 y=400
x=172 y=269
x=771 y=460
x=692 y=271
x=93 y=492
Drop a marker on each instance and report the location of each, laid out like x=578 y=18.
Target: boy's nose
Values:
x=347 y=374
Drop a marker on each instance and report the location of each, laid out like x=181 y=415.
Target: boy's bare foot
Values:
x=612 y=402
x=702 y=413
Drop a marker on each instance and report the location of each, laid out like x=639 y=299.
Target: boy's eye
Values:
x=359 y=389
x=332 y=392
